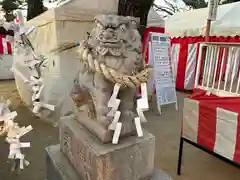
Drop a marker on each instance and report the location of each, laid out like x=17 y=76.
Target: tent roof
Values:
x=75 y=11
x=154 y=19
x=193 y=23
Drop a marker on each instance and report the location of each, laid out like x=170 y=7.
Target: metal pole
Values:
x=180 y=156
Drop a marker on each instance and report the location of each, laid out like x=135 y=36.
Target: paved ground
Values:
x=197 y=165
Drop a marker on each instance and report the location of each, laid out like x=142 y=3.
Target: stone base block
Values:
x=59 y=168
x=131 y=159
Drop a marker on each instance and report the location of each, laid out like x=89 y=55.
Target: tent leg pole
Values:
x=180 y=156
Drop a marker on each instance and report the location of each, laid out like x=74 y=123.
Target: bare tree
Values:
x=197 y=4
x=170 y=8
x=136 y=8
x=35 y=8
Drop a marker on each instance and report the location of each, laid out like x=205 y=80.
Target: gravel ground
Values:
x=197 y=165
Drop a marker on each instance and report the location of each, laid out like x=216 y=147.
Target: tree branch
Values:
x=163 y=9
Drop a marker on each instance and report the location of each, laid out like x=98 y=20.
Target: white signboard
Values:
x=213 y=7
x=163 y=71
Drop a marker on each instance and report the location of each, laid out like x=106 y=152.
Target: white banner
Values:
x=163 y=70
x=213 y=7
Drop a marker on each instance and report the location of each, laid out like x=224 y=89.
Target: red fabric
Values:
x=1 y=43
x=146 y=33
x=183 y=55
x=182 y=65
x=9 y=47
x=207 y=118
x=184 y=42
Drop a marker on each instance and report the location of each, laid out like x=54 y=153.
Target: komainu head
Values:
x=115 y=35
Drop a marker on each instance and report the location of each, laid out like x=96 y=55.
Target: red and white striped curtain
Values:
x=145 y=38
x=5 y=46
x=184 y=57
x=214 y=123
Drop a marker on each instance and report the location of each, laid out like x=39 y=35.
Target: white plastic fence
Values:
x=218 y=68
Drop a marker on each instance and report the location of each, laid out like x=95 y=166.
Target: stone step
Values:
x=59 y=168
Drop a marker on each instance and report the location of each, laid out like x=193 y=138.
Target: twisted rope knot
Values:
x=111 y=74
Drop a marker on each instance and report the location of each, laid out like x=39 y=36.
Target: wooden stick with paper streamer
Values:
x=14 y=133
x=15 y=152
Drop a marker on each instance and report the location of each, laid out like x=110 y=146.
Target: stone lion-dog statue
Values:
x=111 y=55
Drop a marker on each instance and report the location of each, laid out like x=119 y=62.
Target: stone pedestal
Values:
x=82 y=156
x=59 y=168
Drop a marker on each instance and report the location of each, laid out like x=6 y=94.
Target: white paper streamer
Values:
x=141 y=116
x=8 y=116
x=15 y=151
x=113 y=125
x=25 y=130
x=117 y=133
x=114 y=109
x=138 y=127
x=112 y=101
x=14 y=133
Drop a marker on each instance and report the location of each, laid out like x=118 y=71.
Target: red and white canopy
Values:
x=187 y=29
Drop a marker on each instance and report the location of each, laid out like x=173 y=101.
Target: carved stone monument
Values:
x=111 y=70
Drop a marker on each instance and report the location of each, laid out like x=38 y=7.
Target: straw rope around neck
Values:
x=84 y=54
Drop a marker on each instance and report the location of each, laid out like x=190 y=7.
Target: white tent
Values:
x=193 y=23
x=69 y=22
x=154 y=19
x=5 y=65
